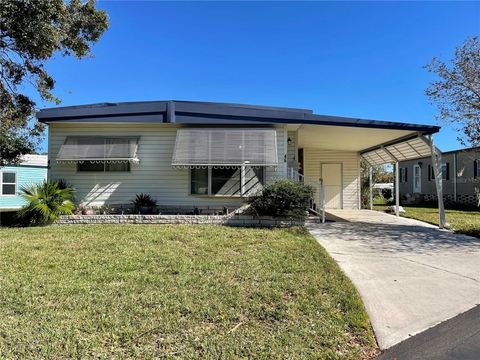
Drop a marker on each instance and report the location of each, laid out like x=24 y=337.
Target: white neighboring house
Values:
x=377 y=188
x=383 y=186
x=212 y=155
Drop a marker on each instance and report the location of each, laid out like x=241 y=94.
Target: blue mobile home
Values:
x=30 y=170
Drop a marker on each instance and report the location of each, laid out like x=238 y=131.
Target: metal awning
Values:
x=407 y=149
x=225 y=147
x=98 y=148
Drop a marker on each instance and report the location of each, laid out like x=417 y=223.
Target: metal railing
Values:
x=318 y=201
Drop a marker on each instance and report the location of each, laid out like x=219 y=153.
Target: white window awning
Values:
x=408 y=149
x=98 y=148
x=225 y=147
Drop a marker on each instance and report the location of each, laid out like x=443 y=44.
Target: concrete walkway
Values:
x=411 y=276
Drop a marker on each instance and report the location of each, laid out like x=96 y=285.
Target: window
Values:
x=199 y=181
x=9 y=183
x=226 y=181
x=417 y=179
x=232 y=181
x=445 y=169
x=88 y=166
x=403 y=174
x=476 y=168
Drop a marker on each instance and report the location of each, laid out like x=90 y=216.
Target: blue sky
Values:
x=341 y=58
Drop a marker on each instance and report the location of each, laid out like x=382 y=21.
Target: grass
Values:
x=159 y=291
x=461 y=221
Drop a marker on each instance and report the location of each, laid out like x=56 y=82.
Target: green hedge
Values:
x=282 y=198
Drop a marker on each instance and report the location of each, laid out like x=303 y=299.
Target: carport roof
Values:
x=210 y=113
x=408 y=148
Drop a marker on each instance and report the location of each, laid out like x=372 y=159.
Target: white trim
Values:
x=8 y=183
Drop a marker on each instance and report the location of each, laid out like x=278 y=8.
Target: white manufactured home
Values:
x=207 y=155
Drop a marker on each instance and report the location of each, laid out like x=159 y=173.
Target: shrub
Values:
x=45 y=203
x=144 y=203
x=282 y=198
x=63 y=184
x=387 y=194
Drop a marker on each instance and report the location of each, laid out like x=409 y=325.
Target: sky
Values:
x=356 y=59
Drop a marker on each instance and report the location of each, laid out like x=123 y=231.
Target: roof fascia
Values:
x=102 y=110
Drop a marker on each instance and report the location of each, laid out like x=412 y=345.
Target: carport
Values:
x=408 y=148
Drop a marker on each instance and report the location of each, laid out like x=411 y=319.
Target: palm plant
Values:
x=45 y=203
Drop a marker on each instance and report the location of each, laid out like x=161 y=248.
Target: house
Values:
x=31 y=169
x=460 y=172
x=212 y=155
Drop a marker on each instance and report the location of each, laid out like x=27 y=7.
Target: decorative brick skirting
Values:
x=449 y=198
x=230 y=220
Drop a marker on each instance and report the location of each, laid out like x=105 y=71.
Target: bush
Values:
x=45 y=203
x=144 y=204
x=282 y=198
x=387 y=194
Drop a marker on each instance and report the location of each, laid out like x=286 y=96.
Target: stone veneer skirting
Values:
x=461 y=198
x=230 y=220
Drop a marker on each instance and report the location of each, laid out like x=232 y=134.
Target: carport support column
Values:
x=437 y=172
x=370 y=170
x=397 y=189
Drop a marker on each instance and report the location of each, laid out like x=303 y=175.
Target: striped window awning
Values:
x=409 y=149
x=98 y=149
x=225 y=147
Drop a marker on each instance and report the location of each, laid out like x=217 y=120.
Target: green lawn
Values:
x=159 y=291
x=462 y=221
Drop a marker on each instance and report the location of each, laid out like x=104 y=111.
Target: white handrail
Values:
x=294 y=175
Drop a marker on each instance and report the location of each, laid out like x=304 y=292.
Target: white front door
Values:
x=332 y=182
x=417 y=179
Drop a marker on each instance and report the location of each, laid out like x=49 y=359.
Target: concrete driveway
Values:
x=411 y=276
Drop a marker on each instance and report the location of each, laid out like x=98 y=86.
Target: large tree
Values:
x=456 y=92
x=31 y=32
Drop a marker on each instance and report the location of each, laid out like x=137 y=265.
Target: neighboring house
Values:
x=31 y=169
x=382 y=189
x=460 y=177
x=383 y=186
x=207 y=155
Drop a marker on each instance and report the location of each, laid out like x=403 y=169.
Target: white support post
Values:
x=322 y=200
x=455 y=177
x=437 y=172
x=371 y=186
x=397 y=189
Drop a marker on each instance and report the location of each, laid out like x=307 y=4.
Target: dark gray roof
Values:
x=473 y=149
x=209 y=113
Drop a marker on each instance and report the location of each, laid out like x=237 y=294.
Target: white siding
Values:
x=153 y=175
x=350 y=161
